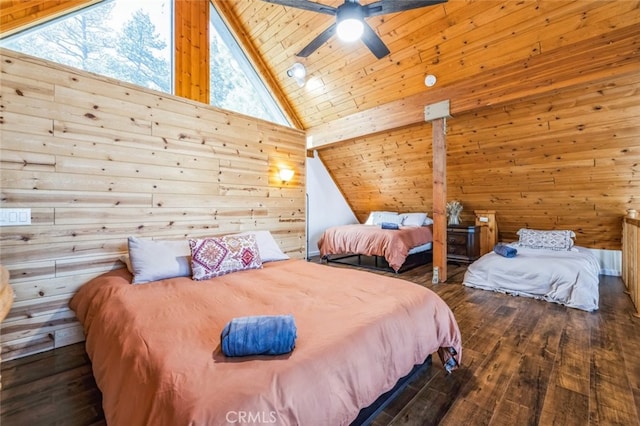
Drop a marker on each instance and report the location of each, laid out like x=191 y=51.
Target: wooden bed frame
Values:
x=379 y=262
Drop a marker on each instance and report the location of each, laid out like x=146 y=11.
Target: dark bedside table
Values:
x=463 y=243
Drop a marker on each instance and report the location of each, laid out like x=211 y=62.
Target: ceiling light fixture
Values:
x=430 y=80
x=350 y=20
x=298 y=72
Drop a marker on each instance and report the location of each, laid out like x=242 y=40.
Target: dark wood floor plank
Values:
x=573 y=362
x=527 y=389
x=565 y=407
x=525 y=362
x=512 y=413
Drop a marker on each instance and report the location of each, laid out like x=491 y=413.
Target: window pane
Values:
x=234 y=83
x=127 y=40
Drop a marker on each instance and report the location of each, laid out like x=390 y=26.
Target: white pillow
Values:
x=373 y=215
x=427 y=221
x=267 y=246
x=388 y=218
x=153 y=260
x=124 y=258
x=414 y=219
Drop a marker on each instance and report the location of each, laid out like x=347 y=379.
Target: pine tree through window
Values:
x=132 y=41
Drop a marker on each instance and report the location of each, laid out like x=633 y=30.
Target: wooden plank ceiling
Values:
x=482 y=52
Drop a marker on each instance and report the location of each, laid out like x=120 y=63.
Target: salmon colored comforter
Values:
x=155 y=348
x=371 y=240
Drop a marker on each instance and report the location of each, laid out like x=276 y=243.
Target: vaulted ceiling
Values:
x=483 y=52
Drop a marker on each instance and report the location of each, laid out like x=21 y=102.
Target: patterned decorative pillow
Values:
x=552 y=240
x=212 y=257
x=269 y=249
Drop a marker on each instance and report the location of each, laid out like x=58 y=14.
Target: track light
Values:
x=298 y=72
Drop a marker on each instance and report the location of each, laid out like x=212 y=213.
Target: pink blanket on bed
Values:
x=155 y=348
x=371 y=240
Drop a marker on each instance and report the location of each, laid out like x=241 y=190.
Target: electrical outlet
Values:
x=436 y=275
x=483 y=219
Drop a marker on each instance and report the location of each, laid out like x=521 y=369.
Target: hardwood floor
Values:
x=525 y=362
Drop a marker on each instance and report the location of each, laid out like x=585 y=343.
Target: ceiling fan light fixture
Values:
x=350 y=30
x=350 y=21
x=350 y=24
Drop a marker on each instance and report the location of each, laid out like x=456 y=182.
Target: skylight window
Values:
x=129 y=41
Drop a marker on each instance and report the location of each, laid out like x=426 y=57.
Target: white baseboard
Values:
x=610 y=261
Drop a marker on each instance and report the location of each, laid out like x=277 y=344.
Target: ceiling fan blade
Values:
x=373 y=42
x=390 y=6
x=305 y=5
x=318 y=41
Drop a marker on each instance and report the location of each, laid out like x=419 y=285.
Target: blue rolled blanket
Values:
x=389 y=225
x=505 y=250
x=259 y=335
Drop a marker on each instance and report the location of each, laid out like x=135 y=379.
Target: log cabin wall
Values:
x=98 y=160
x=565 y=160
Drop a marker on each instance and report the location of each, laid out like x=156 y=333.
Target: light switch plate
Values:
x=15 y=217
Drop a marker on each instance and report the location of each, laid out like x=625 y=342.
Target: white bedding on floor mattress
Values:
x=567 y=277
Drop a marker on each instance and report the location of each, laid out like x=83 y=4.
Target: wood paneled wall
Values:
x=98 y=160
x=566 y=160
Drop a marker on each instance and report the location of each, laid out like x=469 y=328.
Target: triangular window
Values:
x=234 y=83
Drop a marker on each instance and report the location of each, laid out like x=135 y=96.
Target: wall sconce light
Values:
x=285 y=175
x=298 y=72
x=430 y=80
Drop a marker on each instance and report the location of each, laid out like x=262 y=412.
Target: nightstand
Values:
x=463 y=243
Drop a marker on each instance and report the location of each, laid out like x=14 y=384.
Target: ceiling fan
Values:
x=350 y=24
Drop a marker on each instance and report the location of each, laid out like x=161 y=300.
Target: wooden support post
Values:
x=192 y=49
x=440 y=198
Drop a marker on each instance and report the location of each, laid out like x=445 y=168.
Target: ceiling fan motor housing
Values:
x=350 y=10
x=350 y=21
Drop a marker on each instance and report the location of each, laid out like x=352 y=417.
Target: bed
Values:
x=568 y=276
x=398 y=249
x=155 y=348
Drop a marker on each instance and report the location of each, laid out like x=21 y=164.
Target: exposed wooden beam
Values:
x=256 y=59
x=603 y=56
x=191 y=26
x=21 y=15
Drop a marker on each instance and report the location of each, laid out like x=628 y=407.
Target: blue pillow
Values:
x=389 y=225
